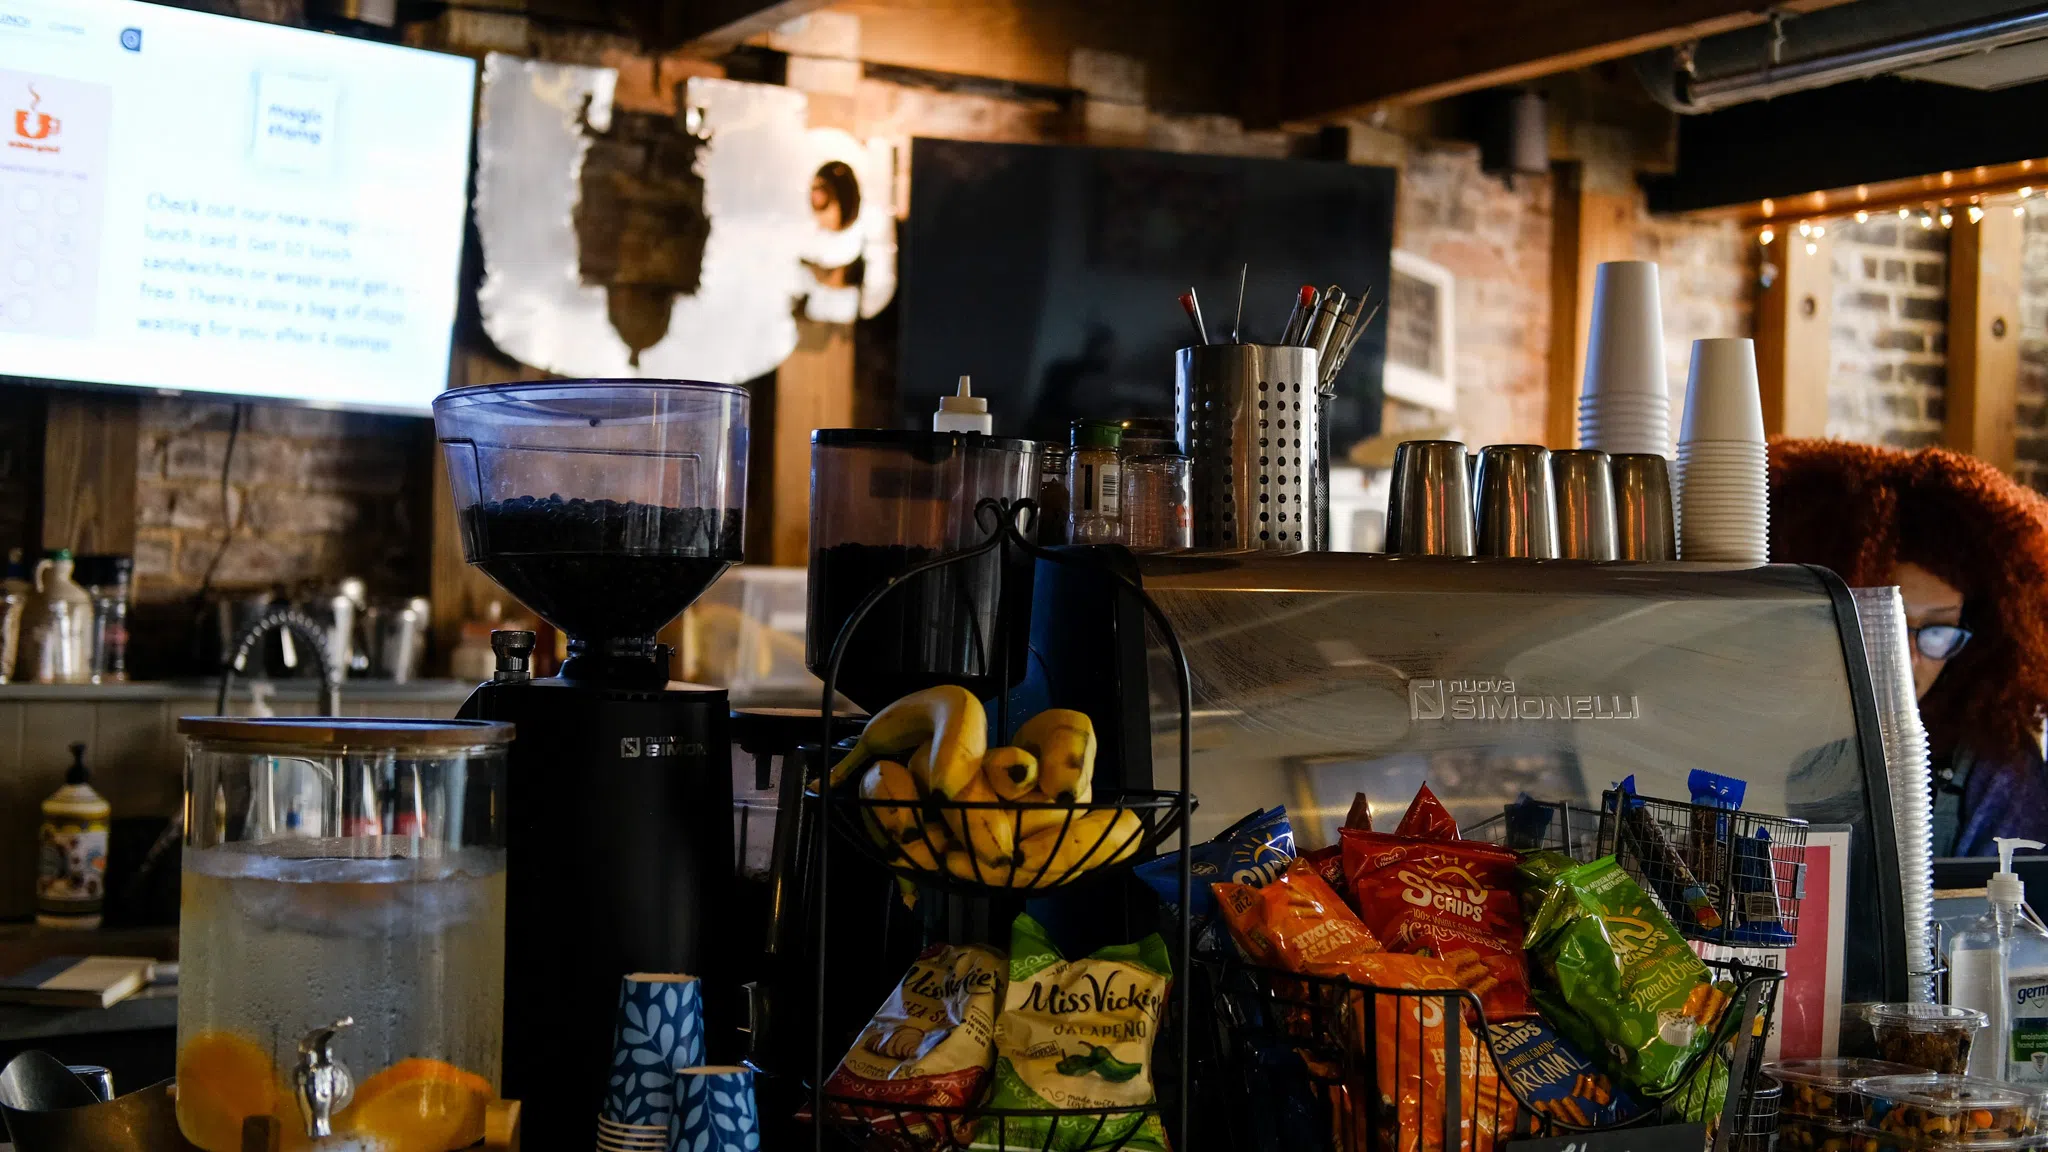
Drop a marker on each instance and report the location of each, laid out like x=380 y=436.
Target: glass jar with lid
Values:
x=342 y=931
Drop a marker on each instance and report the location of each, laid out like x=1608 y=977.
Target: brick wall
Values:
x=1495 y=238
x=1889 y=344
x=311 y=495
x=1705 y=272
x=2031 y=422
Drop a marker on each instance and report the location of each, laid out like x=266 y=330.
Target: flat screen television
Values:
x=204 y=204
x=1052 y=275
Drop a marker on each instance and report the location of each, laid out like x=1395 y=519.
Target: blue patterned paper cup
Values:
x=660 y=1028
x=716 y=1111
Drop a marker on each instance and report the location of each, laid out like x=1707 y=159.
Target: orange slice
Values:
x=223 y=1078
x=421 y=1105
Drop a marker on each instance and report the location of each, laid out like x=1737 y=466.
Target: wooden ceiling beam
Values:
x=1344 y=58
x=713 y=27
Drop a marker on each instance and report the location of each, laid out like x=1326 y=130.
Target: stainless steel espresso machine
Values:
x=606 y=507
x=1318 y=676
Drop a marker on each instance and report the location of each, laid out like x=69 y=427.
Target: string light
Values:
x=1812 y=248
x=1903 y=213
x=1766 y=236
x=1976 y=213
x=2026 y=190
x=2017 y=210
x=1926 y=221
x=1805 y=229
x=1819 y=230
x=1946 y=219
x=1862 y=217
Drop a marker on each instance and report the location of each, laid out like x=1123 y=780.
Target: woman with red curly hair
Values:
x=1968 y=548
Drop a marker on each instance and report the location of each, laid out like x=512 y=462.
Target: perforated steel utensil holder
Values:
x=1248 y=417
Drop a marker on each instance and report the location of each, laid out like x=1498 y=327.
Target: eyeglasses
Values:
x=1939 y=641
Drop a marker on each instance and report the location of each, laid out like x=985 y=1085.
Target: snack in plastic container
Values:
x=1805 y=1134
x=1824 y=1088
x=1931 y=1107
x=1077 y=1035
x=1936 y=1037
x=928 y=1045
x=1868 y=1139
x=1556 y=1078
x=1424 y=891
x=1252 y=851
x=1623 y=974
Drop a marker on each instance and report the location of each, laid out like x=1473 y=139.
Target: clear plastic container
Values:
x=1156 y=514
x=1930 y=1108
x=884 y=501
x=341 y=870
x=1936 y=1037
x=604 y=506
x=1805 y=1134
x=1868 y=1139
x=1825 y=1089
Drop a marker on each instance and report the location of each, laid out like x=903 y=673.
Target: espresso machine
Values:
x=605 y=507
x=1320 y=676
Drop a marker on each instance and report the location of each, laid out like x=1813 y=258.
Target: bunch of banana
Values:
x=1025 y=836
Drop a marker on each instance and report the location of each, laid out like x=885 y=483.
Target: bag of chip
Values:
x=1422 y=890
x=1297 y=924
x=1535 y=875
x=1294 y=923
x=1627 y=983
x=1077 y=1034
x=1556 y=1078
x=1252 y=851
x=930 y=1045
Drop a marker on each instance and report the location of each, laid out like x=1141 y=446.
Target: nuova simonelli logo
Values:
x=1497 y=699
x=35 y=129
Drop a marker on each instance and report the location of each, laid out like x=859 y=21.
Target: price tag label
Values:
x=1661 y=1138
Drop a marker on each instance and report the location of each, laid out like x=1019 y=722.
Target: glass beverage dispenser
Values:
x=885 y=501
x=342 y=931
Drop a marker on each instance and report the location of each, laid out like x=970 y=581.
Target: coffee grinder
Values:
x=606 y=507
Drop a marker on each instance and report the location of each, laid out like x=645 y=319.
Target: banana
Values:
x=888 y=780
x=966 y=867
x=919 y=854
x=1010 y=771
x=990 y=833
x=949 y=717
x=1092 y=841
x=1064 y=742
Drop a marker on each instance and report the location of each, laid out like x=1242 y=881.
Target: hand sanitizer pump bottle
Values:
x=1999 y=966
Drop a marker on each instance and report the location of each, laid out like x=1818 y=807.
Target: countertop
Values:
x=430 y=691
x=149 y=1010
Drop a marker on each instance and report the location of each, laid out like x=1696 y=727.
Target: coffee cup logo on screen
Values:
x=35 y=129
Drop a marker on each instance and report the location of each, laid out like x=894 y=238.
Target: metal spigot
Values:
x=307 y=630
x=321 y=1082
x=514 y=647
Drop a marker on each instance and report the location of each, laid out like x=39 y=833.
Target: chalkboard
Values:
x=1661 y=1138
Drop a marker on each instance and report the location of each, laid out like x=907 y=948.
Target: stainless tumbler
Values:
x=1429 y=509
x=1584 y=487
x=1248 y=417
x=1644 y=527
x=1515 y=507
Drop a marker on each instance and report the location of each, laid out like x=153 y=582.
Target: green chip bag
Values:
x=1622 y=973
x=1077 y=1034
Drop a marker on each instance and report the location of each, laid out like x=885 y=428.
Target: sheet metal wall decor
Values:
x=800 y=222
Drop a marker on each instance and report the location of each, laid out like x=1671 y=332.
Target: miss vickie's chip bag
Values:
x=1424 y=891
x=929 y=1045
x=1298 y=923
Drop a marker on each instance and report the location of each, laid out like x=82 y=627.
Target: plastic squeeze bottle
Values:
x=71 y=872
x=1984 y=974
x=964 y=412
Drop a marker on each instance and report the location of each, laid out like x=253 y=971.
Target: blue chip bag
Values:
x=1252 y=851
x=1556 y=1078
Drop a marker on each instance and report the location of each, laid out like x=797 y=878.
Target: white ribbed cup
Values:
x=1624 y=402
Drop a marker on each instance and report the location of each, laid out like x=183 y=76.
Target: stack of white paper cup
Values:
x=1721 y=473
x=1624 y=406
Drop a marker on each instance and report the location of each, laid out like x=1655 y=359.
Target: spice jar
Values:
x=1095 y=483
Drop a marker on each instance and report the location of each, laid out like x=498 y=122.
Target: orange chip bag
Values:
x=1422 y=890
x=1297 y=923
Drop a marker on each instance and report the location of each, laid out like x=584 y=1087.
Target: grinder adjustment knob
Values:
x=515 y=654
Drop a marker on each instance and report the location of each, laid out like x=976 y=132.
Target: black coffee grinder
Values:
x=606 y=507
